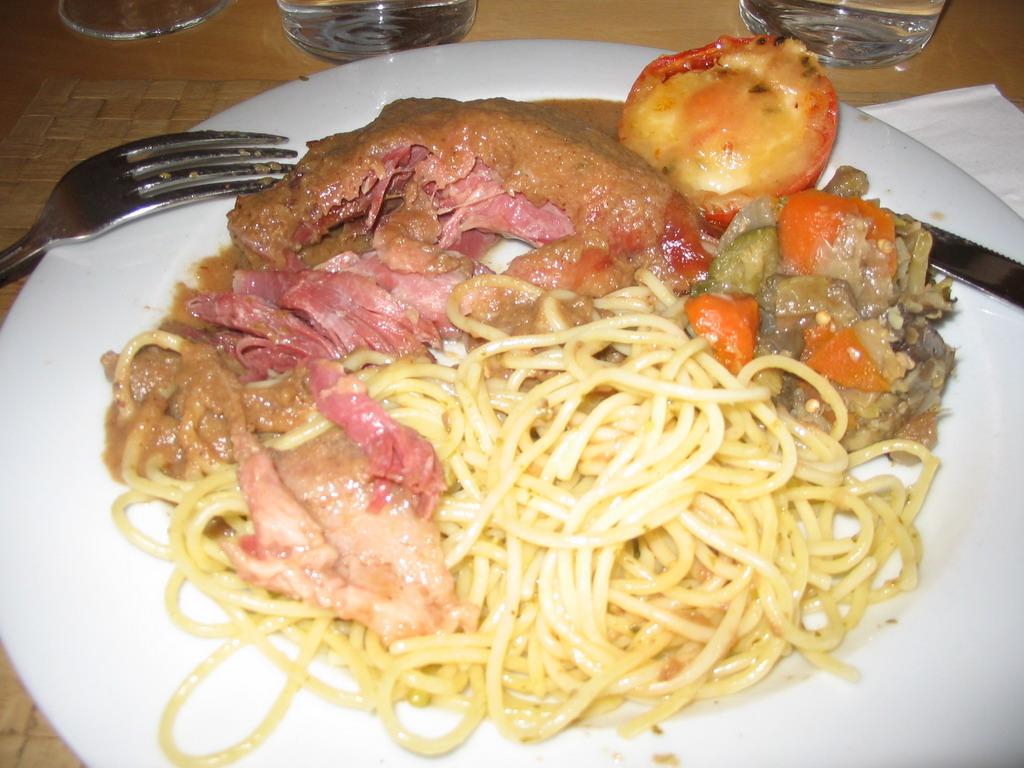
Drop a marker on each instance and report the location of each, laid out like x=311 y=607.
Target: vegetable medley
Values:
x=832 y=279
x=745 y=127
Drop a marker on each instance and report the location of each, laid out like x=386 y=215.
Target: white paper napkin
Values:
x=977 y=129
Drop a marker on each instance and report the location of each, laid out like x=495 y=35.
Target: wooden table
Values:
x=63 y=94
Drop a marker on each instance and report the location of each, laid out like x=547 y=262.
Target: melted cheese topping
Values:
x=743 y=126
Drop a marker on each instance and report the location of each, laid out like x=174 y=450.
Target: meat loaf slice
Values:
x=427 y=171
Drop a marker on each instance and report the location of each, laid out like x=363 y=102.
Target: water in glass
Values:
x=351 y=29
x=848 y=33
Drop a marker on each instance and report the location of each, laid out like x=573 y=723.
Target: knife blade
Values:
x=985 y=269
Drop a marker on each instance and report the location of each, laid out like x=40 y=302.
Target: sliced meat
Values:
x=353 y=311
x=426 y=293
x=260 y=335
x=319 y=537
x=396 y=454
x=277 y=320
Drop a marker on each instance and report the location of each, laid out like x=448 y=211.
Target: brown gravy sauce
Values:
x=211 y=275
x=601 y=113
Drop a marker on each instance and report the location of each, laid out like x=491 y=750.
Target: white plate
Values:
x=81 y=611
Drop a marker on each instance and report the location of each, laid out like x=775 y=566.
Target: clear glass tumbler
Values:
x=132 y=19
x=343 y=30
x=848 y=33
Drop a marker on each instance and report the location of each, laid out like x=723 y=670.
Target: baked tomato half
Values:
x=737 y=119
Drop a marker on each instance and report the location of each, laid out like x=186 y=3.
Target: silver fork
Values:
x=144 y=176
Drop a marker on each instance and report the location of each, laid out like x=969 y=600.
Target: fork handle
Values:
x=18 y=259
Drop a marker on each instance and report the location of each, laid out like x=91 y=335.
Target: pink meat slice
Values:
x=327 y=532
x=396 y=454
x=354 y=311
x=426 y=293
x=279 y=319
x=262 y=336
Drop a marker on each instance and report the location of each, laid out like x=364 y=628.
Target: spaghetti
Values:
x=641 y=528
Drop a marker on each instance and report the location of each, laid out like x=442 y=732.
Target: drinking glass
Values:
x=343 y=30
x=848 y=33
x=132 y=19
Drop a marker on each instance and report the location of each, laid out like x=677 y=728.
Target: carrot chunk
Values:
x=810 y=220
x=729 y=322
x=841 y=357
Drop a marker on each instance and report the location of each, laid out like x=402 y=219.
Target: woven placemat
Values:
x=68 y=121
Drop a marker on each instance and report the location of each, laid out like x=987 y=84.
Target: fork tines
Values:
x=175 y=141
x=199 y=165
x=195 y=164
